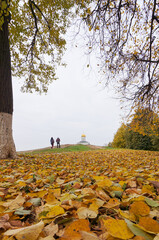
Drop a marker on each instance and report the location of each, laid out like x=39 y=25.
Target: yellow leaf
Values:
x=127 y=215
x=118 y=228
x=137 y=199
x=50 y=198
x=94 y=207
x=55 y=211
x=57 y=192
x=138 y=238
x=21 y=184
x=103 y=181
x=113 y=202
x=87 y=191
x=72 y=231
x=149 y=225
x=39 y=194
x=139 y=208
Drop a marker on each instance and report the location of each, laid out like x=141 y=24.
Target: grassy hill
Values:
x=67 y=148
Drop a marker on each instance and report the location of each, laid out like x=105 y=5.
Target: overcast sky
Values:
x=75 y=104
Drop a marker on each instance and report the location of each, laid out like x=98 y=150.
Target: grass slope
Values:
x=67 y=148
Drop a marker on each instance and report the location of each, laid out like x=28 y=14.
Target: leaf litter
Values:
x=96 y=195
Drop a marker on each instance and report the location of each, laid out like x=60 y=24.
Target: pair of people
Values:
x=57 y=141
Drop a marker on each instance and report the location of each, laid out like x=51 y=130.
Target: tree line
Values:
x=142 y=132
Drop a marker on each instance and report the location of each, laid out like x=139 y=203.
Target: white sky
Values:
x=75 y=104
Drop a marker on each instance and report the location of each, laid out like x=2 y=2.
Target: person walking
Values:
x=52 y=142
x=58 y=142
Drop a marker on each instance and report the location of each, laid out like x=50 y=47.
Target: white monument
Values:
x=83 y=140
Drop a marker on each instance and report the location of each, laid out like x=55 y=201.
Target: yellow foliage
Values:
x=149 y=225
x=73 y=230
x=139 y=208
x=118 y=228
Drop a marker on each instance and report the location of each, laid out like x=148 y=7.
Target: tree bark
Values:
x=7 y=147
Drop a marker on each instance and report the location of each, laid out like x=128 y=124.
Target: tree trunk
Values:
x=7 y=147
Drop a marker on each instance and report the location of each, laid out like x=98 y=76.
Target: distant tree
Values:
x=141 y=133
x=135 y=140
x=145 y=122
x=35 y=30
x=119 y=140
x=145 y=126
x=125 y=35
x=155 y=142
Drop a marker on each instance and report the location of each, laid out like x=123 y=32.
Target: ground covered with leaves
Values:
x=93 y=195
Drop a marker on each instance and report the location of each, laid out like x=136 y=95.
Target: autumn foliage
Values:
x=141 y=133
x=93 y=195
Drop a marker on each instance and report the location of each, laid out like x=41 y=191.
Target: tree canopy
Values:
x=141 y=133
x=37 y=41
x=123 y=33
x=126 y=34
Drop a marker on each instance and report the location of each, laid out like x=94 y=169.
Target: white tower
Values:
x=83 y=137
x=83 y=140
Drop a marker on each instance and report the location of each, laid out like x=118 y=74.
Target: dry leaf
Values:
x=73 y=230
x=84 y=213
x=51 y=229
x=139 y=208
x=118 y=228
x=4 y=224
x=16 y=203
x=157 y=237
x=149 y=225
x=138 y=238
x=47 y=238
x=88 y=235
x=112 y=203
x=26 y=233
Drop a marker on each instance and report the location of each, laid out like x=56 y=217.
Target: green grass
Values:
x=70 y=148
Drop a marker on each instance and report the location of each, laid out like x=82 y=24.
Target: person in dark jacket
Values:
x=52 y=142
x=58 y=142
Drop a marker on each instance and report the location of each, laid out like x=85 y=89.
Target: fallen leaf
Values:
x=52 y=212
x=137 y=231
x=149 y=225
x=51 y=229
x=138 y=238
x=139 y=208
x=118 y=228
x=151 y=202
x=16 y=203
x=101 y=194
x=88 y=236
x=26 y=233
x=4 y=224
x=84 y=213
x=73 y=230
x=50 y=198
x=112 y=203
x=157 y=237
x=47 y=238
